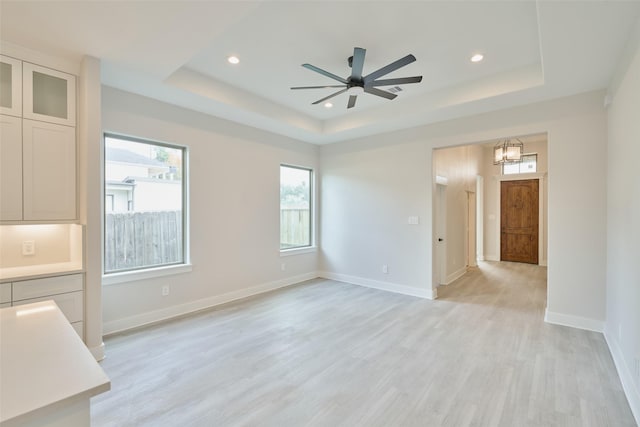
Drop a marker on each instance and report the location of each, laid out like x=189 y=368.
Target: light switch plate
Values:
x=413 y=220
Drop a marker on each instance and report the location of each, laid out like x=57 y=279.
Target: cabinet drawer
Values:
x=5 y=293
x=48 y=286
x=70 y=304
x=79 y=328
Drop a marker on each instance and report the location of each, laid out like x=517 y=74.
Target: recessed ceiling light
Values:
x=328 y=105
x=233 y=60
x=477 y=57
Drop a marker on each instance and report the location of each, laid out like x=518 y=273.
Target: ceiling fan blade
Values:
x=399 y=81
x=378 y=92
x=324 y=73
x=316 y=87
x=389 y=68
x=352 y=101
x=330 y=96
x=357 y=63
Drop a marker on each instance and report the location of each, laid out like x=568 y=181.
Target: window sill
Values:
x=148 y=273
x=298 y=251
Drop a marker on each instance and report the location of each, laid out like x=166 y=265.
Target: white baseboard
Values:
x=383 y=286
x=455 y=276
x=626 y=378
x=131 y=322
x=573 y=321
x=97 y=352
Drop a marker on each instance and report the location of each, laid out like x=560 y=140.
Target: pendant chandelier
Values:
x=508 y=151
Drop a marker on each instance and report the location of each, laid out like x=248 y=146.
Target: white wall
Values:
x=372 y=184
x=234 y=210
x=623 y=229
x=367 y=197
x=460 y=166
x=157 y=195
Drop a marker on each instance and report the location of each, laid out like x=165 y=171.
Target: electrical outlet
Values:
x=29 y=247
x=385 y=269
x=283 y=266
x=165 y=291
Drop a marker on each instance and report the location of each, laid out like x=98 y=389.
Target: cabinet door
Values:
x=10 y=168
x=71 y=304
x=10 y=86
x=49 y=171
x=48 y=95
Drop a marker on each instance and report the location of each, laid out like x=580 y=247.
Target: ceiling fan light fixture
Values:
x=233 y=60
x=357 y=84
x=478 y=57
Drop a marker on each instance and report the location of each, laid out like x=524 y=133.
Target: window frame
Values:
x=139 y=273
x=535 y=155
x=310 y=247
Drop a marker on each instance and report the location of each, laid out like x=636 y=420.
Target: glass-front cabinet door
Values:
x=48 y=95
x=10 y=86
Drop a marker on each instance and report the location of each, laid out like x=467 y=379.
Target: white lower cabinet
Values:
x=67 y=291
x=71 y=304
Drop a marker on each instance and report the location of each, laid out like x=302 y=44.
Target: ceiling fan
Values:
x=356 y=84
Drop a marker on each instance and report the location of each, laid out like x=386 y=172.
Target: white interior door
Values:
x=440 y=264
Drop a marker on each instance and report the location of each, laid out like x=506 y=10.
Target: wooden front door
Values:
x=519 y=221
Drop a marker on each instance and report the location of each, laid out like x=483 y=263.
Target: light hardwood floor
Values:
x=325 y=353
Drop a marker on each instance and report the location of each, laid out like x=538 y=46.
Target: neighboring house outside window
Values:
x=144 y=198
x=296 y=217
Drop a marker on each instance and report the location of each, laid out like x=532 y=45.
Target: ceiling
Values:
x=176 y=51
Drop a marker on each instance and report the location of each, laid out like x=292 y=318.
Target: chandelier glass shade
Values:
x=508 y=151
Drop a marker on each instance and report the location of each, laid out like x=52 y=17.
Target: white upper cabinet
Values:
x=10 y=168
x=48 y=95
x=10 y=86
x=37 y=143
x=49 y=171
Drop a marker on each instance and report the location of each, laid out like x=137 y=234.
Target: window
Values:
x=295 y=207
x=144 y=218
x=528 y=164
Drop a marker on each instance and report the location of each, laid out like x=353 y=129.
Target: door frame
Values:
x=471 y=234
x=520 y=177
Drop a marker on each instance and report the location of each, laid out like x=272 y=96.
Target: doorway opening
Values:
x=468 y=213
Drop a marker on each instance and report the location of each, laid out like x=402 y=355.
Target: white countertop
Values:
x=41 y=270
x=43 y=362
